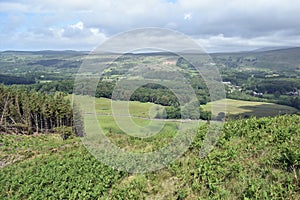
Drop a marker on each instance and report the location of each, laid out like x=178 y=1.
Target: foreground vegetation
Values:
x=253 y=159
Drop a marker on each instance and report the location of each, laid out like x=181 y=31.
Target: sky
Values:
x=216 y=25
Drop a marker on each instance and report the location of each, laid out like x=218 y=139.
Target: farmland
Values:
x=239 y=108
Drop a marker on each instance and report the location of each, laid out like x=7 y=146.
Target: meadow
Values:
x=121 y=125
x=118 y=123
x=241 y=109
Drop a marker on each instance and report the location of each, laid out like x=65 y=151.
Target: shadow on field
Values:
x=263 y=110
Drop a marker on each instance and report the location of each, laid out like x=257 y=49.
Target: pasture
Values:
x=239 y=108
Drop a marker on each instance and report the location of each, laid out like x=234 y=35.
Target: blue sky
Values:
x=216 y=25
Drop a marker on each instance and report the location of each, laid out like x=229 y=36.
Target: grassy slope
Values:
x=254 y=158
x=251 y=108
x=137 y=109
x=139 y=114
x=233 y=107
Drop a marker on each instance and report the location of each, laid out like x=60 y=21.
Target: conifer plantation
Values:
x=25 y=111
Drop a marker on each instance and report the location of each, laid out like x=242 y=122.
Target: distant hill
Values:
x=45 y=52
x=280 y=60
x=271 y=48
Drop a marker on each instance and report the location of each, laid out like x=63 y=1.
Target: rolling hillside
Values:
x=253 y=159
x=280 y=60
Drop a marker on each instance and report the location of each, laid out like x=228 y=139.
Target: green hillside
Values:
x=281 y=60
x=253 y=159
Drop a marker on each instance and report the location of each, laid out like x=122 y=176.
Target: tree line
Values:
x=26 y=111
x=150 y=92
x=9 y=80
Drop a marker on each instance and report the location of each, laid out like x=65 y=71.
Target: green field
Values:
x=233 y=108
x=139 y=119
x=140 y=114
x=239 y=108
x=136 y=109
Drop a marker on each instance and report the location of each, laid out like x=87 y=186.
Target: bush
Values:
x=65 y=132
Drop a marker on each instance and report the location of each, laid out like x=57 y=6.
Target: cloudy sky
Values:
x=216 y=25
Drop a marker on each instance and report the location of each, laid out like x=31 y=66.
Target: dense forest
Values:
x=26 y=111
x=10 y=80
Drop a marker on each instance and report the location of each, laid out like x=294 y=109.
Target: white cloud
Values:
x=217 y=22
x=187 y=16
x=78 y=25
x=73 y=36
x=12 y=7
x=220 y=43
